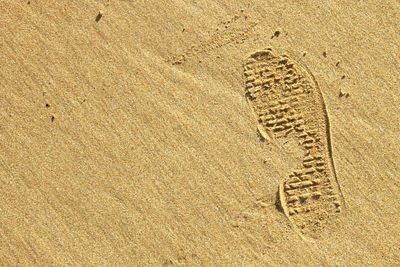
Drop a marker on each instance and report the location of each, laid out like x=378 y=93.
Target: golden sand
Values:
x=199 y=133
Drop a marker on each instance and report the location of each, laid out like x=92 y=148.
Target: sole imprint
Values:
x=288 y=103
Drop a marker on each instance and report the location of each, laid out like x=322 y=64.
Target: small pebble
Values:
x=99 y=16
x=276 y=34
x=343 y=94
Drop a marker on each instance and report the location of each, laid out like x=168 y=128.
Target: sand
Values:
x=145 y=133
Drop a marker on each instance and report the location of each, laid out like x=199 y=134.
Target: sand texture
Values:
x=199 y=133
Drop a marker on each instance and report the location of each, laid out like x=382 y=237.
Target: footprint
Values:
x=288 y=103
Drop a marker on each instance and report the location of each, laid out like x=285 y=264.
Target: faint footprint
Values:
x=288 y=104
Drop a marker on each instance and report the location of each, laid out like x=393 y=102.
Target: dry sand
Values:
x=136 y=133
